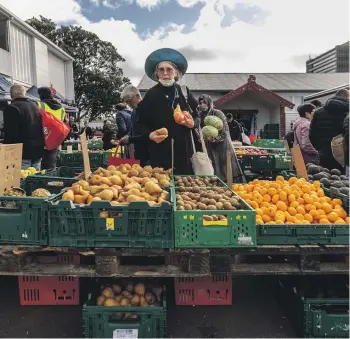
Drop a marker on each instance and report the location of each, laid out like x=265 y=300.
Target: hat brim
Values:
x=165 y=54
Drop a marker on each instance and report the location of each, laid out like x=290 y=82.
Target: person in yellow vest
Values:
x=50 y=105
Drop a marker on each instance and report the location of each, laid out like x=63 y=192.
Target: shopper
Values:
x=301 y=130
x=109 y=136
x=52 y=106
x=23 y=125
x=327 y=123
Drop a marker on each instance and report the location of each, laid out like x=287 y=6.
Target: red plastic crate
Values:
x=73 y=259
x=213 y=290
x=59 y=290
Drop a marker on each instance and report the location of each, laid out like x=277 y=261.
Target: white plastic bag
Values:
x=201 y=164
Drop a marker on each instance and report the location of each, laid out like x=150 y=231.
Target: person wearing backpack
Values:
x=49 y=104
x=23 y=125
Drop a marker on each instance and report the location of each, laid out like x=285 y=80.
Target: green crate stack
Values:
x=102 y=225
x=313 y=316
x=191 y=231
x=262 y=162
x=23 y=220
x=95 y=144
x=302 y=234
x=100 y=322
x=269 y=143
x=283 y=162
x=75 y=159
x=73 y=144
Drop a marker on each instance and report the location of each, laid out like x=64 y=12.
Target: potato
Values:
x=107 y=292
x=205 y=201
x=110 y=302
x=125 y=302
x=140 y=289
x=207 y=218
x=212 y=202
x=222 y=217
x=100 y=300
x=180 y=208
x=188 y=207
x=202 y=206
x=219 y=205
x=211 y=208
x=135 y=300
x=227 y=205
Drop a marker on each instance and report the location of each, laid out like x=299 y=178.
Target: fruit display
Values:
x=128 y=294
x=121 y=185
x=216 y=198
x=329 y=178
x=15 y=192
x=196 y=181
x=30 y=171
x=292 y=201
x=250 y=151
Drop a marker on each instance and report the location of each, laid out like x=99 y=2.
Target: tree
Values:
x=98 y=79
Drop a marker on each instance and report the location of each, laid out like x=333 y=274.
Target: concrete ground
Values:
x=254 y=313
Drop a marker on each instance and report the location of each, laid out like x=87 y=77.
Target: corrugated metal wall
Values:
x=57 y=73
x=21 y=45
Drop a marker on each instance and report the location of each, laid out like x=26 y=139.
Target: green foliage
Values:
x=98 y=78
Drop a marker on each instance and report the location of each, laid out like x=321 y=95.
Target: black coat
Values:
x=346 y=139
x=155 y=111
x=327 y=123
x=22 y=124
x=123 y=123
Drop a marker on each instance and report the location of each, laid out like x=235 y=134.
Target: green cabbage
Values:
x=209 y=132
x=214 y=121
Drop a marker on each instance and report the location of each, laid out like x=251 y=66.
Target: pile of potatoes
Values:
x=130 y=295
x=197 y=198
x=121 y=185
x=196 y=181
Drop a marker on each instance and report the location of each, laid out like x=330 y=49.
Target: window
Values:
x=4 y=34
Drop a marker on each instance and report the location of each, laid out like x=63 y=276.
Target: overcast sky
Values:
x=215 y=35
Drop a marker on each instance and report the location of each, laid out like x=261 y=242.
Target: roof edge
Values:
x=32 y=31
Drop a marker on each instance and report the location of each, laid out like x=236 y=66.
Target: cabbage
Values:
x=214 y=121
x=209 y=132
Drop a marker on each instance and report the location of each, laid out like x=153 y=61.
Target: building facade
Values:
x=259 y=99
x=335 y=60
x=27 y=57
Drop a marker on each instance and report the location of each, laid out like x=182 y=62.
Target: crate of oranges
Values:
x=295 y=211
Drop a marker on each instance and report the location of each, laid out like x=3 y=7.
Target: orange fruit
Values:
x=310 y=207
x=294 y=204
x=299 y=216
x=271 y=223
x=316 y=184
x=292 y=211
x=291 y=197
x=322 y=200
x=259 y=212
x=306 y=188
x=314 y=214
x=266 y=218
x=287 y=190
x=332 y=216
x=341 y=212
x=300 y=210
x=264 y=204
x=306 y=222
x=283 y=196
x=281 y=206
x=336 y=202
x=296 y=194
x=308 y=217
x=317 y=205
x=267 y=198
x=328 y=199
x=253 y=204
x=280 y=216
x=324 y=221
x=272 y=191
x=301 y=201
x=321 y=212
x=257 y=198
x=328 y=208
x=275 y=198
x=291 y=219
x=292 y=180
x=340 y=221
x=308 y=199
x=320 y=192
x=347 y=220
x=279 y=178
x=263 y=191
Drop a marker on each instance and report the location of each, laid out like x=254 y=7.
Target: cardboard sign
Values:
x=69 y=149
x=10 y=166
x=86 y=159
x=299 y=162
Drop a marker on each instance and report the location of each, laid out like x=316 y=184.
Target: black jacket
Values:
x=327 y=122
x=123 y=122
x=346 y=139
x=22 y=124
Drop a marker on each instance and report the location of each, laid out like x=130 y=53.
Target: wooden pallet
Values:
x=263 y=260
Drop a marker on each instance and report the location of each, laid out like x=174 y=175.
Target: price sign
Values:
x=110 y=224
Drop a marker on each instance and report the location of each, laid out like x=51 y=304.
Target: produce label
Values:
x=215 y=223
x=126 y=333
x=110 y=225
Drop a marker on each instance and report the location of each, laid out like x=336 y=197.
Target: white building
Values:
x=27 y=57
x=259 y=99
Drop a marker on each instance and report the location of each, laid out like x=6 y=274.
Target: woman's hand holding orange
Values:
x=188 y=120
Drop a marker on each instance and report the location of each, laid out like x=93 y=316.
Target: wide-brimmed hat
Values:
x=165 y=54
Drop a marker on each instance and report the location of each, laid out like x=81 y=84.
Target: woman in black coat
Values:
x=156 y=111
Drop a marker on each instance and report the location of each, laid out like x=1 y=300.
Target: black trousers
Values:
x=49 y=159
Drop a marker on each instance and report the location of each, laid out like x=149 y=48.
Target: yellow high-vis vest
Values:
x=59 y=114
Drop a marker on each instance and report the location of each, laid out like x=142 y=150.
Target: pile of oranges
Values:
x=292 y=201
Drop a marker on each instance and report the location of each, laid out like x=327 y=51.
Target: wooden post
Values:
x=86 y=159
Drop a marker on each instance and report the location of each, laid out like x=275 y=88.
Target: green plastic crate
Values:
x=262 y=162
x=96 y=144
x=136 y=225
x=283 y=162
x=269 y=143
x=25 y=220
x=75 y=159
x=315 y=317
x=192 y=232
x=302 y=234
x=73 y=144
x=98 y=321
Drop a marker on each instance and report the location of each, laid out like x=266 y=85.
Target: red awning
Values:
x=252 y=86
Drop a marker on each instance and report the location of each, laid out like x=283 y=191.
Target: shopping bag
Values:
x=337 y=145
x=201 y=163
x=55 y=130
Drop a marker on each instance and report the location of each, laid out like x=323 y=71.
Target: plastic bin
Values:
x=59 y=290
x=104 y=322
x=102 y=225
x=214 y=290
